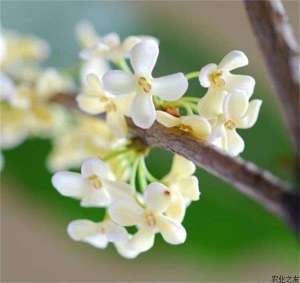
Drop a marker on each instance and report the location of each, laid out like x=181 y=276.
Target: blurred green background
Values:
x=230 y=238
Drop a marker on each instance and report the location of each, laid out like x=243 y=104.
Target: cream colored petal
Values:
x=69 y=184
x=96 y=198
x=79 y=230
x=118 y=190
x=251 y=115
x=119 y=82
x=143 y=111
x=235 y=105
x=233 y=60
x=117 y=123
x=176 y=210
x=241 y=82
x=90 y=104
x=204 y=74
x=123 y=103
x=143 y=57
x=143 y=240
x=170 y=87
x=235 y=144
x=167 y=119
x=200 y=126
x=157 y=197
x=181 y=167
x=173 y=232
x=94 y=166
x=115 y=232
x=97 y=66
x=125 y=250
x=112 y=39
x=126 y=212
x=211 y=104
x=189 y=187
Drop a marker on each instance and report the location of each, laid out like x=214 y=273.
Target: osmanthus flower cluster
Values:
x=116 y=83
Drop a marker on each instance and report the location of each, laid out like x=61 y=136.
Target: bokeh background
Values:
x=230 y=238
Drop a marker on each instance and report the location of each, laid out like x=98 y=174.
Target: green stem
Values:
x=123 y=66
x=192 y=75
x=134 y=172
x=115 y=153
x=141 y=176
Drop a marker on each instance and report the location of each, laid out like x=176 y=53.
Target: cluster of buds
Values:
x=114 y=173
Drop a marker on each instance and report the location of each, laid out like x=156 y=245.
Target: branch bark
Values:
x=254 y=182
x=280 y=50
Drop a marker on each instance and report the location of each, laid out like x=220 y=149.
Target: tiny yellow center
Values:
x=185 y=128
x=95 y=182
x=150 y=219
x=216 y=78
x=144 y=84
x=230 y=125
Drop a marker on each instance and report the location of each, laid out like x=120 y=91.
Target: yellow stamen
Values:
x=95 y=182
x=216 y=78
x=150 y=219
x=144 y=84
x=230 y=125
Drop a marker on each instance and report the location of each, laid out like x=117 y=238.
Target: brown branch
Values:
x=281 y=53
x=258 y=184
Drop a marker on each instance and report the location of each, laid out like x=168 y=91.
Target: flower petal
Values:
x=189 y=187
x=181 y=167
x=118 y=82
x=176 y=210
x=200 y=126
x=125 y=250
x=143 y=57
x=173 y=232
x=90 y=104
x=235 y=144
x=96 y=198
x=79 y=230
x=241 y=82
x=251 y=115
x=235 y=105
x=233 y=60
x=115 y=232
x=94 y=166
x=167 y=119
x=170 y=87
x=143 y=240
x=111 y=39
x=157 y=197
x=118 y=190
x=211 y=104
x=126 y=212
x=204 y=74
x=143 y=111
x=69 y=184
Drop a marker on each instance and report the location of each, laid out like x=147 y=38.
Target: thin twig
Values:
x=256 y=183
x=280 y=50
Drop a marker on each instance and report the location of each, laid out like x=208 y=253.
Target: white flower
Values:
x=143 y=57
x=96 y=66
x=95 y=100
x=149 y=218
x=110 y=47
x=182 y=185
x=51 y=83
x=97 y=234
x=220 y=81
x=238 y=113
x=94 y=186
x=195 y=125
x=86 y=34
x=7 y=87
x=126 y=250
